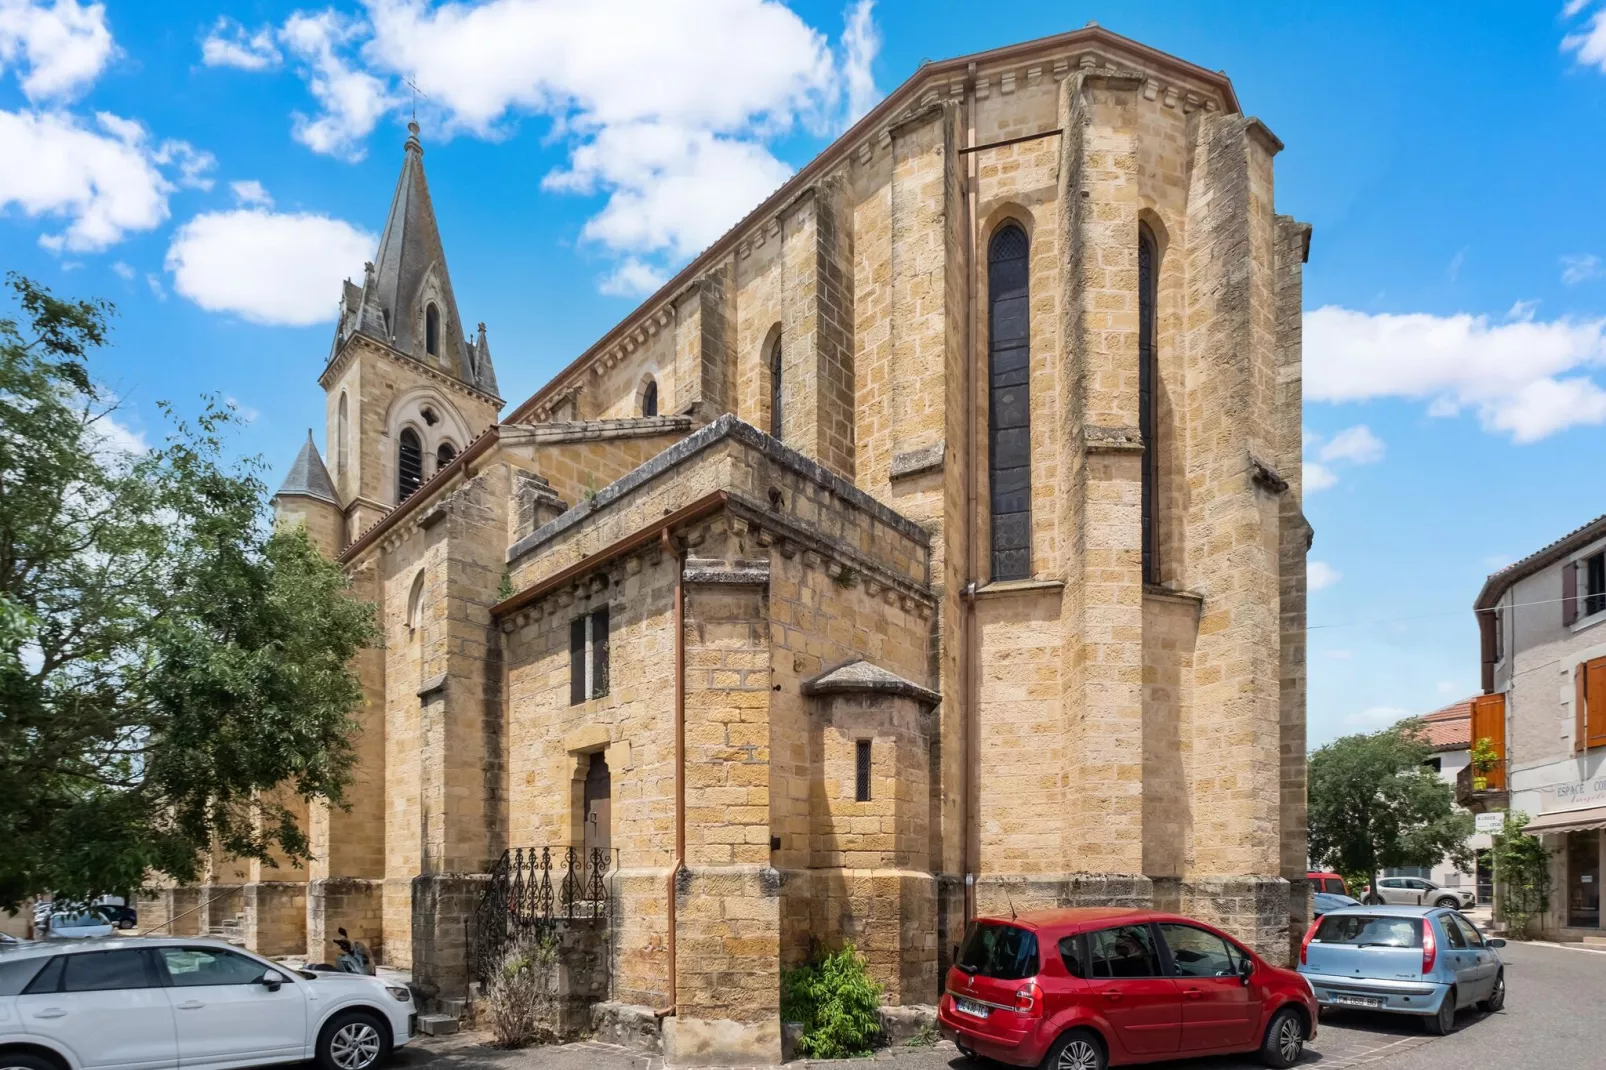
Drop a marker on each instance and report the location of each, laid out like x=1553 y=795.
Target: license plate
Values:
x=1370 y=1002
x=970 y=1007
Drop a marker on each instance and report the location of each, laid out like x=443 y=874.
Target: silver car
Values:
x=1417 y=892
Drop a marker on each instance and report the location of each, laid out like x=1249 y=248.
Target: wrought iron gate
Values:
x=526 y=900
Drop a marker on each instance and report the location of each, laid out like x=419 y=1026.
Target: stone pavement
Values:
x=1550 y=1018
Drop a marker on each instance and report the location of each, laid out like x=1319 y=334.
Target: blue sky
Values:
x=215 y=169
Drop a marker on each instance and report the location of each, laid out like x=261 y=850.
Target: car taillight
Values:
x=1430 y=946
x=1029 y=1000
x=1304 y=945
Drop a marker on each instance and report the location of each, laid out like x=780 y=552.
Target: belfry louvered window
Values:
x=1009 y=431
x=775 y=387
x=409 y=464
x=432 y=331
x=1148 y=270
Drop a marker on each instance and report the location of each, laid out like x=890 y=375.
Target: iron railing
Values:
x=526 y=899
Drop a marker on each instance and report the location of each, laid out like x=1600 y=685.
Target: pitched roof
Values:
x=1090 y=47
x=862 y=676
x=1498 y=582
x=1451 y=727
x=308 y=477
x=407 y=274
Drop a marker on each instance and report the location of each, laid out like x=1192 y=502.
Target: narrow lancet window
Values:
x=1009 y=431
x=432 y=331
x=776 y=422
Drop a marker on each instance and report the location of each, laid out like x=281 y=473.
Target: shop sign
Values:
x=1582 y=793
x=1492 y=822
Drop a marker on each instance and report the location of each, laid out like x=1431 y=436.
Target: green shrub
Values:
x=837 y=1003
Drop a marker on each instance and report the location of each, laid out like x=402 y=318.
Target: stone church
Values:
x=931 y=545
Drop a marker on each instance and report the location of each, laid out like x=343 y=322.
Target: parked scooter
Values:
x=354 y=957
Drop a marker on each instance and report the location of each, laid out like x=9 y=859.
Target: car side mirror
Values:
x=271 y=980
x=1495 y=942
x=1246 y=968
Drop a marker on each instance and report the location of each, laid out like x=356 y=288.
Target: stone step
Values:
x=453 y=1007
x=437 y=1025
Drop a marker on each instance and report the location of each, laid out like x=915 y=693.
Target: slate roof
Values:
x=407 y=272
x=861 y=676
x=308 y=477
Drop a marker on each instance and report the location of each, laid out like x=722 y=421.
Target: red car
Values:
x=1323 y=881
x=1092 y=987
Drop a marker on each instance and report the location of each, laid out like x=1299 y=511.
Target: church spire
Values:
x=406 y=299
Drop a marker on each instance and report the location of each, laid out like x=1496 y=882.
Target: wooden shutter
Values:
x=577 y=661
x=1486 y=634
x=1569 y=593
x=1592 y=727
x=1489 y=722
x=1580 y=701
x=599 y=652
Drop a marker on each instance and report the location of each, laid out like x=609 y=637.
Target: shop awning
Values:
x=1567 y=821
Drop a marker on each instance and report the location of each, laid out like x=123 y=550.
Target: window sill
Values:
x=1585 y=623
x=1009 y=587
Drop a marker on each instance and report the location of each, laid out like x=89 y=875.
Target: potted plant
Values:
x=1484 y=760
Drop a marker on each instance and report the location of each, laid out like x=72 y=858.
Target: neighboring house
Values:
x=931 y=545
x=1449 y=733
x=1544 y=708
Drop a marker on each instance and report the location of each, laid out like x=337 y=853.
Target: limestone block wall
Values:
x=579 y=459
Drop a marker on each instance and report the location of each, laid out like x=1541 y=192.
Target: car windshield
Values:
x=77 y=921
x=1001 y=951
x=1368 y=930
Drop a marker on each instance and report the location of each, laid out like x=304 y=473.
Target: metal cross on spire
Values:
x=417 y=92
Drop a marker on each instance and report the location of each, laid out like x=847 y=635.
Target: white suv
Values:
x=156 y=1003
x=1415 y=891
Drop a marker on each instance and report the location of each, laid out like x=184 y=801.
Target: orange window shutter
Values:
x=1489 y=722
x=1595 y=702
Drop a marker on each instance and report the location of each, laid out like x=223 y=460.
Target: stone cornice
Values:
x=1172 y=81
x=344 y=356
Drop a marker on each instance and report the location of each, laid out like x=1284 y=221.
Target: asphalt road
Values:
x=1555 y=1006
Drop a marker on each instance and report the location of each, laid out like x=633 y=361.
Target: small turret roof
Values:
x=862 y=676
x=308 y=477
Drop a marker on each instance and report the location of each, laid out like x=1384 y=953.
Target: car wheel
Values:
x=1076 y=1050
x=1285 y=1039
x=21 y=1060
x=1443 y=1023
x=353 y=1041
x=1449 y=902
x=1373 y=901
x=1497 y=997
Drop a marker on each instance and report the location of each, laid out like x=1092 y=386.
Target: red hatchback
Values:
x=1087 y=988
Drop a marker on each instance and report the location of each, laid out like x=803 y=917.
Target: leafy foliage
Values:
x=1375 y=805
x=521 y=999
x=1521 y=873
x=836 y=1001
x=172 y=671
x=1483 y=757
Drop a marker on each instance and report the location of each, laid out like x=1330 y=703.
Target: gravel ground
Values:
x=1554 y=999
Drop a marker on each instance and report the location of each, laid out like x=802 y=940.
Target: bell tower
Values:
x=407 y=387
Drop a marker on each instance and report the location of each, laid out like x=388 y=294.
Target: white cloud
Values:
x=192 y=163
x=861 y=41
x=251 y=194
x=1454 y=270
x=1589 y=44
x=229 y=44
x=105 y=182
x=632 y=278
x=1320 y=575
x=1357 y=445
x=667 y=108
x=154 y=281
x=123 y=270
x=267 y=267
x=62 y=46
x=1374 y=718
x=352 y=100
x=1579 y=267
x=1509 y=373
x=1316 y=477
x=1523 y=310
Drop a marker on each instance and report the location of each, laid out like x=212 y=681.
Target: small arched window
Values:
x=444 y=454
x=415 y=603
x=1148 y=270
x=342 y=441
x=649 y=398
x=774 y=358
x=1009 y=426
x=409 y=464
x=432 y=330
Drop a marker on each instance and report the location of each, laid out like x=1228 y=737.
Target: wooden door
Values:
x=598 y=810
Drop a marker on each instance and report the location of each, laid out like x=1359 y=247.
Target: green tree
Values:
x=1375 y=805
x=171 y=669
x=1521 y=873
